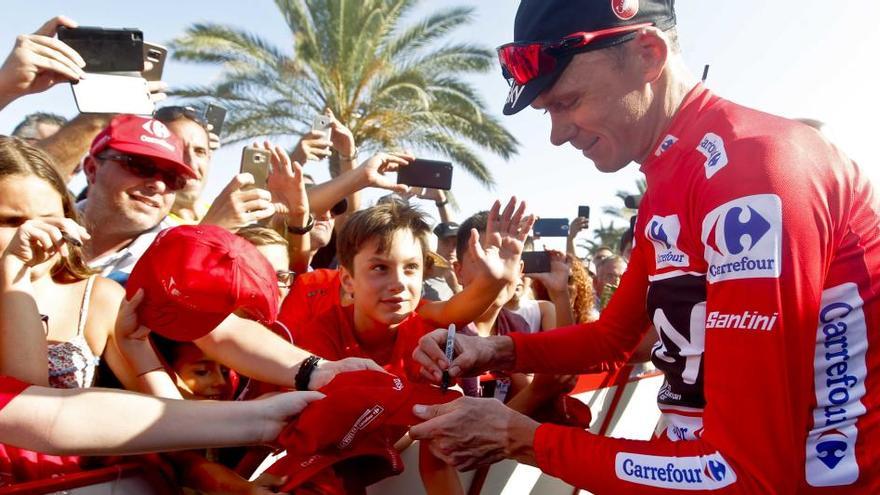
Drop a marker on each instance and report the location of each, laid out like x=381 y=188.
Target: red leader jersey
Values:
x=757 y=260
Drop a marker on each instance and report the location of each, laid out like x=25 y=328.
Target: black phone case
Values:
x=426 y=173
x=106 y=50
x=536 y=262
x=551 y=227
x=584 y=211
x=215 y=115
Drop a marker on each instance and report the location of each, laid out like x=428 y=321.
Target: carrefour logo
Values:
x=839 y=374
x=663 y=233
x=743 y=238
x=705 y=472
x=712 y=147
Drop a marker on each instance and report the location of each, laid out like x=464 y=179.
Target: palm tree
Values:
x=604 y=235
x=394 y=86
x=624 y=213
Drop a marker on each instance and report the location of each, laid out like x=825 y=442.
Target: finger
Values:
x=407 y=157
x=134 y=300
x=505 y=218
x=516 y=220
x=254 y=194
x=157 y=86
x=51 y=26
x=430 y=346
x=492 y=220
x=258 y=207
x=310 y=396
x=237 y=182
x=47 y=59
x=474 y=244
x=58 y=50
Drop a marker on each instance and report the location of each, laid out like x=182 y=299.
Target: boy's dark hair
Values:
x=380 y=222
x=477 y=221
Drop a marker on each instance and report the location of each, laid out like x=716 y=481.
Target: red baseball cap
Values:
x=143 y=136
x=356 y=404
x=194 y=276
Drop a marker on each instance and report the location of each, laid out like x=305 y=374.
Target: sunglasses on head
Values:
x=145 y=168
x=172 y=113
x=522 y=62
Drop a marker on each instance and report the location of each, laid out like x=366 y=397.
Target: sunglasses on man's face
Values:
x=172 y=113
x=524 y=61
x=144 y=168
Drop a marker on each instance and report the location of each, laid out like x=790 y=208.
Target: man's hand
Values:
x=471 y=432
x=39 y=61
x=430 y=194
x=556 y=282
x=327 y=370
x=577 y=225
x=287 y=186
x=500 y=254
x=313 y=146
x=472 y=355
x=374 y=169
x=341 y=137
x=279 y=409
x=237 y=206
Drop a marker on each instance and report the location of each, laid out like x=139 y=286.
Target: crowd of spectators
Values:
x=357 y=285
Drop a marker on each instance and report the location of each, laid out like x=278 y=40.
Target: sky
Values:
x=795 y=58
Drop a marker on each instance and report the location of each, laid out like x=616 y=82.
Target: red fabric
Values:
x=194 y=276
x=312 y=294
x=145 y=137
x=9 y=389
x=356 y=404
x=758 y=261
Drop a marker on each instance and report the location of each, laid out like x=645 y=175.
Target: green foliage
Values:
x=394 y=86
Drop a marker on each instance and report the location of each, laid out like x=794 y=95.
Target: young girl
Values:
x=49 y=289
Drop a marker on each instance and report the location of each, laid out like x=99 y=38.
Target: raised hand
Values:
x=39 y=61
x=498 y=256
x=313 y=146
x=577 y=225
x=238 y=205
x=375 y=168
x=341 y=137
x=287 y=186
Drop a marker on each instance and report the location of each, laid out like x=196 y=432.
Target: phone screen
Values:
x=435 y=174
x=215 y=115
x=106 y=50
x=256 y=162
x=551 y=227
x=536 y=262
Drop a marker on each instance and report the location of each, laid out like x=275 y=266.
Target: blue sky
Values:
x=796 y=58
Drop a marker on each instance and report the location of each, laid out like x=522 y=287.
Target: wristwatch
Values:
x=302 y=230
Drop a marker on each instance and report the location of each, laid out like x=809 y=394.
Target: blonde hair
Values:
x=261 y=236
x=18 y=158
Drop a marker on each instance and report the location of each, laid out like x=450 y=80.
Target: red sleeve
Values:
x=9 y=389
x=596 y=346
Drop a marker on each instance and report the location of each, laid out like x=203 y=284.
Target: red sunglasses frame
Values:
x=524 y=61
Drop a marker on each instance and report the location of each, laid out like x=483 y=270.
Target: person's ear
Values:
x=651 y=48
x=347 y=280
x=90 y=168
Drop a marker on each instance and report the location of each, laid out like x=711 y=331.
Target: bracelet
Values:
x=157 y=368
x=350 y=158
x=441 y=203
x=304 y=374
x=302 y=230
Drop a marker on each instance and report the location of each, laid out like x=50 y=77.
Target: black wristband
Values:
x=302 y=230
x=304 y=374
x=441 y=203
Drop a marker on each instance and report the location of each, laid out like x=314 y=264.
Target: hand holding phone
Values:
x=322 y=123
x=215 y=115
x=106 y=50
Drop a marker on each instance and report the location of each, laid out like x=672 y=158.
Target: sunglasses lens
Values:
x=526 y=62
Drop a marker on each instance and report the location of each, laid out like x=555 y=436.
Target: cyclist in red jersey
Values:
x=756 y=259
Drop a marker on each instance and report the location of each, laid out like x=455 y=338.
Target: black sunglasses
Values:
x=172 y=113
x=145 y=168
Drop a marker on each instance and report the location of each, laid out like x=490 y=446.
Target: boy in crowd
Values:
x=382 y=252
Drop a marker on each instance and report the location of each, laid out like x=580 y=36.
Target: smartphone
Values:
x=106 y=50
x=584 y=211
x=111 y=93
x=426 y=173
x=255 y=161
x=155 y=54
x=536 y=262
x=322 y=123
x=215 y=115
x=551 y=227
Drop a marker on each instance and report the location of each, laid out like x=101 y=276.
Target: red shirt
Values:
x=9 y=389
x=757 y=259
x=312 y=294
x=332 y=336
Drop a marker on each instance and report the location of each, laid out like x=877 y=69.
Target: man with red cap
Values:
x=134 y=168
x=756 y=260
